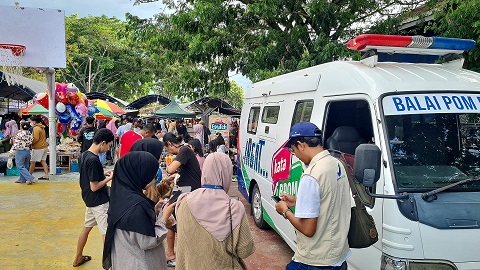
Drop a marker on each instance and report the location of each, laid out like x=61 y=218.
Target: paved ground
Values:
x=40 y=224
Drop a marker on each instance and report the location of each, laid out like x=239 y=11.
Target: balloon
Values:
x=64 y=119
x=76 y=124
x=71 y=111
x=71 y=88
x=42 y=99
x=92 y=110
x=61 y=97
x=60 y=128
x=81 y=109
x=72 y=98
x=60 y=107
x=61 y=88
x=82 y=98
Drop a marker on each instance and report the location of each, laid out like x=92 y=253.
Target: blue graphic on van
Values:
x=253 y=155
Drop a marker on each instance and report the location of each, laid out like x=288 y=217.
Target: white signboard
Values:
x=431 y=103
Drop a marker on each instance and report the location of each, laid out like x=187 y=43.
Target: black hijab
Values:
x=130 y=209
x=153 y=146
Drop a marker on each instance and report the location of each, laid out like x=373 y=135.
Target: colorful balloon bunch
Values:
x=71 y=107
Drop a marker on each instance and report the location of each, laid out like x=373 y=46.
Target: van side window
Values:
x=302 y=112
x=270 y=114
x=253 y=120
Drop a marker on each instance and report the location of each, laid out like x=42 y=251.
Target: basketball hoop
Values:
x=11 y=56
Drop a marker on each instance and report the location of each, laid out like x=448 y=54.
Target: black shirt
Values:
x=190 y=170
x=85 y=137
x=182 y=129
x=91 y=170
x=206 y=133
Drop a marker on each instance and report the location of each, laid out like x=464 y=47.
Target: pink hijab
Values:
x=210 y=206
x=112 y=127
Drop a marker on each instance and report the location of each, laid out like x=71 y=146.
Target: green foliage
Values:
x=460 y=19
x=233 y=97
x=118 y=64
x=202 y=40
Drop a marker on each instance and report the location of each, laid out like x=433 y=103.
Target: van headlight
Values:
x=391 y=263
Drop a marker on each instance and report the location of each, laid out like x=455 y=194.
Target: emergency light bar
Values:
x=410 y=44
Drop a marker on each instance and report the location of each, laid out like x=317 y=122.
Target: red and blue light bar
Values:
x=415 y=44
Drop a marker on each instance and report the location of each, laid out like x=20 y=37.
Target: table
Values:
x=64 y=161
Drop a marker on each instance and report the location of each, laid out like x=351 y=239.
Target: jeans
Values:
x=102 y=157
x=22 y=160
x=293 y=265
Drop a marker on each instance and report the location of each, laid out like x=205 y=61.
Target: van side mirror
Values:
x=366 y=167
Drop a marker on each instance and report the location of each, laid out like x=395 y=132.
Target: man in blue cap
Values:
x=322 y=204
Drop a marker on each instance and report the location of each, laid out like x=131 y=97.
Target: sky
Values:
x=111 y=8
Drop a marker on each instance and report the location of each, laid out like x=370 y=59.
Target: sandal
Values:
x=170 y=263
x=29 y=182
x=43 y=178
x=84 y=260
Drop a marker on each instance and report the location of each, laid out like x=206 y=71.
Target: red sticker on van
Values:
x=281 y=162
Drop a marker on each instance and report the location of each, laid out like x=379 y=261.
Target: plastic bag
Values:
x=10 y=163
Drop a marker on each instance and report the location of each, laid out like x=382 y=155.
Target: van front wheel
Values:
x=257 y=209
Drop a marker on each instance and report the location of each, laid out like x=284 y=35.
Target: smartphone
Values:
x=175 y=196
x=276 y=198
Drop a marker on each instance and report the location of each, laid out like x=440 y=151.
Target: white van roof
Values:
x=350 y=77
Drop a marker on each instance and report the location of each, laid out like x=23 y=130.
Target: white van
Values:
x=423 y=117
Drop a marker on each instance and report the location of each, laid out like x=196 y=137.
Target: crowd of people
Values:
x=27 y=145
x=134 y=216
x=142 y=230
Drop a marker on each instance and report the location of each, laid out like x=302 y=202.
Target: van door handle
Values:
x=267 y=129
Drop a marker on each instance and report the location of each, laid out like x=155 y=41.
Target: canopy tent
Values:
x=173 y=110
x=206 y=105
x=23 y=92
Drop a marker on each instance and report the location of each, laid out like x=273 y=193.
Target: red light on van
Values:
x=359 y=43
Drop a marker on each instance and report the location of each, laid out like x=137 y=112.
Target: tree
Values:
x=205 y=39
x=118 y=65
x=460 y=19
x=233 y=97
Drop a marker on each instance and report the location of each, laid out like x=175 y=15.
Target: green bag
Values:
x=13 y=171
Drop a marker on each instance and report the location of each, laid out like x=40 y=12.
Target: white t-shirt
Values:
x=308 y=198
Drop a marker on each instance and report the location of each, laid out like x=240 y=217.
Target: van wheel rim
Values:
x=257 y=206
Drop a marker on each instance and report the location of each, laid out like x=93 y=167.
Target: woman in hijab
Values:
x=207 y=217
x=161 y=189
x=135 y=233
x=153 y=146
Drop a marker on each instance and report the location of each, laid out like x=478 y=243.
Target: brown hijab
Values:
x=209 y=206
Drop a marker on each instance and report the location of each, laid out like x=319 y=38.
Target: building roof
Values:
x=23 y=92
x=149 y=99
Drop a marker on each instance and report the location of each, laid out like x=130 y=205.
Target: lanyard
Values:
x=212 y=186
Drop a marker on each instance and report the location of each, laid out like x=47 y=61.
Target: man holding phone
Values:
x=93 y=182
x=322 y=205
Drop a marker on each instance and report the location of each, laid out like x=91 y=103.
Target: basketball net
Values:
x=11 y=57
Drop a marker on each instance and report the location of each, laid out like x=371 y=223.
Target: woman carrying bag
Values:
x=21 y=150
x=207 y=217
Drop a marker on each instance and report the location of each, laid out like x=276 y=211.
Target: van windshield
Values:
x=434 y=150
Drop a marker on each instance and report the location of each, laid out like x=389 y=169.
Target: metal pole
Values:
x=89 y=73
x=52 y=119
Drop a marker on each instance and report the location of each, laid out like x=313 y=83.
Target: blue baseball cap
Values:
x=303 y=129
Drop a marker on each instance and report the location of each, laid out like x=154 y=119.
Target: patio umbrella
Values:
x=35 y=109
x=104 y=114
x=109 y=106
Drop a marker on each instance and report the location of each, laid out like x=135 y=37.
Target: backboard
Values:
x=41 y=31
